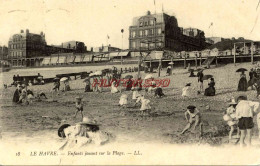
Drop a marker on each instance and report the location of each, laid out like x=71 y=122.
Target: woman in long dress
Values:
x=210 y=91
x=242 y=85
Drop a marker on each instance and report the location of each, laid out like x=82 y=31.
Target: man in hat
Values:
x=245 y=111
x=193 y=117
x=79 y=107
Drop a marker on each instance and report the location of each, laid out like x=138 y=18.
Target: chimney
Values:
x=27 y=30
x=148 y=13
x=91 y=49
x=21 y=31
x=41 y=33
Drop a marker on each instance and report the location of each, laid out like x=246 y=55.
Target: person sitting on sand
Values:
x=186 y=91
x=230 y=117
x=158 y=92
x=145 y=105
x=79 y=107
x=17 y=93
x=193 y=117
x=67 y=86
x=82 y=134
x=210 y=91
x=23 y=95
x=87 y=86
x=123 y=100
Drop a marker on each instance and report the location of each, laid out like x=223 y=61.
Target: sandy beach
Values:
x=39 y=121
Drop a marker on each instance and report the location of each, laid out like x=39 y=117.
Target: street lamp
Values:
x=122 y=31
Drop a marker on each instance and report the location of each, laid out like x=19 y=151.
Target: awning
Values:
x=124 y=53
x=113 y=54
x=46 y=61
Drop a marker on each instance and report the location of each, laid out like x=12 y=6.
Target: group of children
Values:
x=240 y=115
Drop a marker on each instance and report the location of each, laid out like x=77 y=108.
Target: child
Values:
x=186 y=91
x=194 y=118
x=79 y=107
x=231 y=115
x=135 y=93
x=158 y=92
x=145 y=105
x=123 y=100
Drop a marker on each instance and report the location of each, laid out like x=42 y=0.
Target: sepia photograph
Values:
x=129 y=82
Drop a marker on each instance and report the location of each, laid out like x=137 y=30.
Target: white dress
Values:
x=145 y=103
x=186 y=91
x=135 y=95
x=113 y=88
x=123 y=100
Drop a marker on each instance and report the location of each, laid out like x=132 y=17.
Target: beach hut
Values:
x=214 y=52
x=87 y=58
x=205 y=53
x=46 y=61
x=70 y=58
x=54 y=59
x=78 y=58
x=62 y=59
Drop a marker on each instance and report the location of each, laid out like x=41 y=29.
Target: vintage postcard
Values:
x=129 y=82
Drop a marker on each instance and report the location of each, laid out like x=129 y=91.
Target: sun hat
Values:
x=61 y=130
x=89 y=121
x=233 y=102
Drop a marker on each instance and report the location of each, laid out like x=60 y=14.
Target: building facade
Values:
x=28 y=49
x=161 y=31
x=3 y=52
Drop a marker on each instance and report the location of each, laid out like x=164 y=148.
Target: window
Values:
x=140 y=24
x=146 y=32
x=159 y=31
x=151 y=22
x=140 y=33
x=133 y=34
x=151 y=31
x=133 y=44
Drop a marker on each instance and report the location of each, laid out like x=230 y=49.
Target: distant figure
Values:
x=67 y=86
x=145 y=105
x=129 y=84
x=113 y=87
x=168 y=71
x=242 y=85
x=200 y=80
x=17 y=93
x=87 y=86
x=210 y=91
x=251 y=74
x=192 y=73
x=186 y=91
x=123 y=100
x=158 y=92
x=79 y=107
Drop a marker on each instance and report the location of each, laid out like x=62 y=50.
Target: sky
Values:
x=91 y=21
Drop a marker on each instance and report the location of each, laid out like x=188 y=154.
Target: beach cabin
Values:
x=62 y=59
x=214 y=52
x=205 y=53
x=70 y=58
x=193 y=54
x=87 y=58
x=78 y=58
x=46 y=61
x=54 y=59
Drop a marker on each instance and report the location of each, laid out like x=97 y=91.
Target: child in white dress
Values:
x=123 y=100
x=230 y=117
x=186 y=91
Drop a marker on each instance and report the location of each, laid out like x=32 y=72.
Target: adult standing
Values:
x=200 y=80
x=245 y=111
x=242 y=84
x=17 y=93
